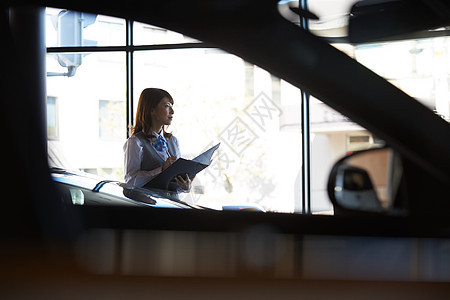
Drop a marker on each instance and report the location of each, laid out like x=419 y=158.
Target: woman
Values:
x=150 y=149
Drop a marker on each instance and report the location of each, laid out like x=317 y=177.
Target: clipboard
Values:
x=182 y=166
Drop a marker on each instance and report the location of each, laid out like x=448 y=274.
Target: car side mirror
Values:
x=365 y=182
x=354 y=189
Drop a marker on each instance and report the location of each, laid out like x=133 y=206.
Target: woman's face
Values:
x=163 y=113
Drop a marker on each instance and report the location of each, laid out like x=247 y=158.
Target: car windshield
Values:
x=93 y=93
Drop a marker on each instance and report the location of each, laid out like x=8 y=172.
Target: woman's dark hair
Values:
x=149 y=99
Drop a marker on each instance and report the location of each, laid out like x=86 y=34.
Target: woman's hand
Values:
x=183 y=182
x=168 y=162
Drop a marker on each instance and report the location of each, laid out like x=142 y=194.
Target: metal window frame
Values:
x=306 y=133
x=129 y=48
x=129 y=74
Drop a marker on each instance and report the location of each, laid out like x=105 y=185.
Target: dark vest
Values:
x=150 y=158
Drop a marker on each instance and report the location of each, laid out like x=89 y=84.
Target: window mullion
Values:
x=129 y=74
x=306 y=134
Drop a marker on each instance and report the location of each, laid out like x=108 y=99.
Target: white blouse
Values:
x=133 y=154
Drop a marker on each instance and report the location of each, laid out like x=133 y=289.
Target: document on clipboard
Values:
x=182 y=166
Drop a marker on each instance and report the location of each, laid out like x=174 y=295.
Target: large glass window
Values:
x=92 y=99
x=254 y=115
x=218 y=98
x=91 y=130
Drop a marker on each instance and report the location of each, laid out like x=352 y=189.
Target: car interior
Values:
x=386 y=230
